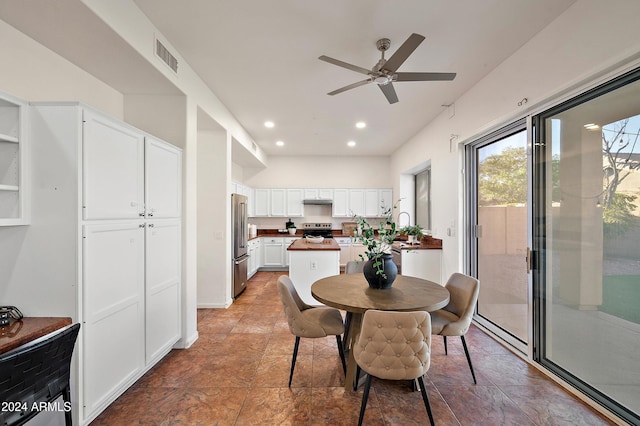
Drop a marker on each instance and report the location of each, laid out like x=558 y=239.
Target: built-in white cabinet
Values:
x=425 y=264
x=273 y=251
x=357 y=202
x=278 y=203
x=113 y=303
x=385 y=201
x=162 y=286
x=255 y=256
x=108 y=207
x=318 y=194
x=340 y=206
x=14 y=153
x=261 y=200
x=295 y=208
x=350 y=249
x=287 y=242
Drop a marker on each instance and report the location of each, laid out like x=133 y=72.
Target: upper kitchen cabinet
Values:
x=278 y=204
x=13 y=163
x=261 y=199
x=163 y=169
x=371 y=202
x=385 y=201
x=295 y=208
x=112 y=192
x=318 y=194
x=340 y=203
x=357 y=202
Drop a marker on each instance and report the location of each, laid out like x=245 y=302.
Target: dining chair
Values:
x=37 y=373
x=394 y=345
x=309 y=321
x=455 y=318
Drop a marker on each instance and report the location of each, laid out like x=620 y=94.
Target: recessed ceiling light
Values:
x=280 y=143
x=591 y=126
x=361 y=124
x=351 y=143
x=269 y=124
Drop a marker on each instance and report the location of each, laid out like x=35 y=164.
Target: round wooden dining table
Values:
x=351 y=293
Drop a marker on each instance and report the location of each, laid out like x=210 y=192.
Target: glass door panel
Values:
x=501 y=192
x=588 y=274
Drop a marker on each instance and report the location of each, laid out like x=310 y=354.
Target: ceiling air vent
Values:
x=163 y=53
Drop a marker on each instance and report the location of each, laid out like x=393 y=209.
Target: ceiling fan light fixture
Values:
x=382 y=80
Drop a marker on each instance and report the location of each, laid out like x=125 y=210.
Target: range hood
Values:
x=317 y=202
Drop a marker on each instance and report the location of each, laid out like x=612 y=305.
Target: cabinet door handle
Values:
x=150 y=213
x=151 y=225
x=142 y=225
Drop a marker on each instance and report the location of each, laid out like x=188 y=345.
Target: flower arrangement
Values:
x=377 y=240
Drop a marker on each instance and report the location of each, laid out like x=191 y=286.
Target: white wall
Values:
x=588 y=41
x=32 y=72
x=214 y=271
x=321 y=172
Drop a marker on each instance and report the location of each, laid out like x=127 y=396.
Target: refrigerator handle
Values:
x=243 y=224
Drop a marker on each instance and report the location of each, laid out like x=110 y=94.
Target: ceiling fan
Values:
x=384 y=72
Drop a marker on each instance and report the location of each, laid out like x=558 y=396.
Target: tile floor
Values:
x=236 y=373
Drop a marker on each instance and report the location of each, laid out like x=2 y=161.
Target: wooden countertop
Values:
x=27 y=329
x=425 y=244
x=328 y=244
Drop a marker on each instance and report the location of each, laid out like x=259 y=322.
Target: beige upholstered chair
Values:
x=353 y=267
x=394 y=346
x=455 y=318
x=308 y=321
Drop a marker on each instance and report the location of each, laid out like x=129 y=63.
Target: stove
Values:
x=317 y=230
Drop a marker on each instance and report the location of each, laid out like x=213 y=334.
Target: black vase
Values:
x=380 y=280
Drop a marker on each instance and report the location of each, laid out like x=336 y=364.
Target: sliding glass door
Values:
x=587 y=235
x=499 y=176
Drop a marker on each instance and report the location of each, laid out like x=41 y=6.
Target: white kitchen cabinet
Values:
x=371 y=202
x=163 y=175
x=278 y=203
x=340 y=206
x=358 y=249
x=385 y=201
x=273 y=252
x=345 y=250
x=356 y=202
x=14 y=152
x=295 y=207
x=287 y=242
x=254 y=251
x=318 y=194
x=261 y=197
x=113 y=304
x=162 y=286
x=112 y=192
x=425 y=264
x=106 y=266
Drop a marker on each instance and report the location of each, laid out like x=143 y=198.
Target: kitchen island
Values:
x=309 y=262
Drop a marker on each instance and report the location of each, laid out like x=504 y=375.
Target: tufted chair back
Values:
x=394 y=345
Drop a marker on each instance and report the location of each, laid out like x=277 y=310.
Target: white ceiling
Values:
x=261 y=59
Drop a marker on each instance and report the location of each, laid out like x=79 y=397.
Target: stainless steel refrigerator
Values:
x=239 y=240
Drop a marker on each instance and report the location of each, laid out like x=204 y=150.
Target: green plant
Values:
x=377 y=240
x=415 y=230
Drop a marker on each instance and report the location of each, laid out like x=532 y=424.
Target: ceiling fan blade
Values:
x=425 y=76
x=351 y=86
x=389 y=92
x=403 y=52
x=345 y=65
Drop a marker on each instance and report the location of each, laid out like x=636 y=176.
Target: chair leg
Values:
x=355 y=384
x=341 y=352
x=66 y=396
x=445 y=345
x=365 y=397
x=466 y=352
x=347 y=326
x=425 y=398
x=293 y=360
